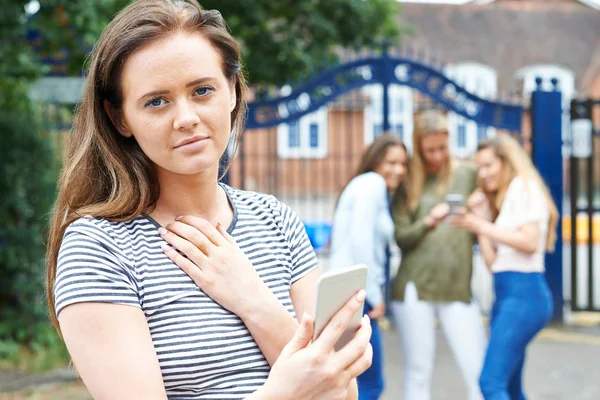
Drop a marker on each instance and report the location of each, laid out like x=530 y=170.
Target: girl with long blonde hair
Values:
x=434 y=279
x=515 y=220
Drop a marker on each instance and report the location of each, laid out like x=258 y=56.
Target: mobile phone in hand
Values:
x=455 y=201
x=334 y=289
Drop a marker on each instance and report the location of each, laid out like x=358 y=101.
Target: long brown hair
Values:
x=516 y=162
x=429 y=122
x=105 y=174
x=375 y=153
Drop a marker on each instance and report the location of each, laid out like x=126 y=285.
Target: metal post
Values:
x=546 y=124
x=590 y=213
x=573 y=192
x=581 y=148
x=386 y=83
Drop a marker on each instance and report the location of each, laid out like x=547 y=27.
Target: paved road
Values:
x=560 y=366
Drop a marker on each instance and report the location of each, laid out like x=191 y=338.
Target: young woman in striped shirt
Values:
x=163 y=282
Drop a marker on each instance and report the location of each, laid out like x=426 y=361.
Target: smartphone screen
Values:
x=455 y=201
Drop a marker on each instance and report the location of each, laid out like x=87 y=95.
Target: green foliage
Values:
x=27 y=184
x=47 y=350
x=282 y=41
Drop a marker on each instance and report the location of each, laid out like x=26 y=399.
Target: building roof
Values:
x=507 y=35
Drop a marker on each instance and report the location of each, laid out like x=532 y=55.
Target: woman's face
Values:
x=434 y=150
x=393 y=167
x=490 y=170
x=177 y=103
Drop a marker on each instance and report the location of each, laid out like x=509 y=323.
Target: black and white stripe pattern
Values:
x=205 y=351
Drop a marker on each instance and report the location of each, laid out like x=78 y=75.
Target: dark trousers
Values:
x=370 y=382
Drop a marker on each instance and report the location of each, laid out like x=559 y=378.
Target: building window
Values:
x=293 y=134
x=400 y=117
x=477 y=79
x=305 y=137
x=314 y=135
x=399 y=105
x=481 y=133
x=462 y=136
x=377 y=130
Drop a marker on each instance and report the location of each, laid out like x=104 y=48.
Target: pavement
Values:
x=563 y=364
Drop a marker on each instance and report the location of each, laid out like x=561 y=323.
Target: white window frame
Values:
x=482 y=81
x=319 y=117
x=373 y=111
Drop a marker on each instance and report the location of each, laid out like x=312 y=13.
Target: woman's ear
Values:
x=117 y=120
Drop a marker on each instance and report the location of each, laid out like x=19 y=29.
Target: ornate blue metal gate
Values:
x=388 y=71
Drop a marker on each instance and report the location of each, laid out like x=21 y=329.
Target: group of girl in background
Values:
x=508 y=211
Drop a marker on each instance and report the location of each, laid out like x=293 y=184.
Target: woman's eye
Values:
x=156 y=102
x=204 y=90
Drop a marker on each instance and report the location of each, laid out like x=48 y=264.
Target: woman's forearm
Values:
x=269 y=323
x=488 y=251
x=523 y=240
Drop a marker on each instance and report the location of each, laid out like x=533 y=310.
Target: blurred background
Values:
x=327 y=77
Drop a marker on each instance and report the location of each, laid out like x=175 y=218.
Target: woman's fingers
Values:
x=191 y=234
x=362 y=363
x=193 y=270
x=204 y=227
x=338 y=324
x=356 y=348
x=191 y=250
x=301 y=338
x=226 y=234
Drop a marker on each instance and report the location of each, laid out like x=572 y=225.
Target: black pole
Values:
x=574 y=165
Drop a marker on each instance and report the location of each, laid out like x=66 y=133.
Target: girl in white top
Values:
x=362 y=230
x=515 y=220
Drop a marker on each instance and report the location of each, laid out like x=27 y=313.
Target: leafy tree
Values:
x=282 y=41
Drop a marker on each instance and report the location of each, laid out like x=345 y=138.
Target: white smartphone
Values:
x=334 y=289
x=455 y=201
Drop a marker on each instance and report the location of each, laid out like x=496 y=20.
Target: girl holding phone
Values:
x=362 y=230
x=164 y=282
x=515 y=219
x=434 y=279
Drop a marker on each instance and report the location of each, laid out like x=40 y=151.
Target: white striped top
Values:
x=205 y=352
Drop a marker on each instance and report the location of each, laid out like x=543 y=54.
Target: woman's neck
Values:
x=197 y=195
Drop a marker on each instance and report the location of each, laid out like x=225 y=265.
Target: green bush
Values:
x=27 y=187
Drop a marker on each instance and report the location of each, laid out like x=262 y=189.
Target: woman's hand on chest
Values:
x=214 y=261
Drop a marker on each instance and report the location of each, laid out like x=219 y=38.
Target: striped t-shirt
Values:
x=204 y=351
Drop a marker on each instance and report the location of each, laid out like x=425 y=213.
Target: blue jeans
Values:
x=522 y=308
x=370 y=382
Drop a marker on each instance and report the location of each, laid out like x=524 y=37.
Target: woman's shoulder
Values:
x=257 y=208
x=110 y=227
x=251 y=203
x=252 y=199
x=117 y=236
x=369 y=185
x=370 y=180
x=521 y=186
